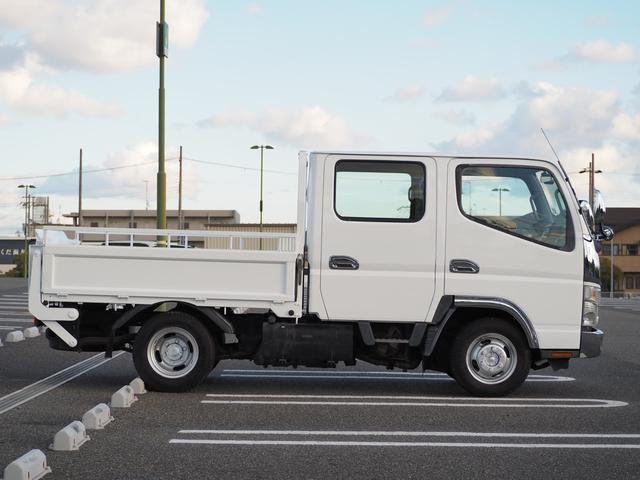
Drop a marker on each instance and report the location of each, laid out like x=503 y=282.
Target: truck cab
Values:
x=480 y=267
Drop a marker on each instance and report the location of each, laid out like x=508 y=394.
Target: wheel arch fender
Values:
x=463 y=309
x=211 y=317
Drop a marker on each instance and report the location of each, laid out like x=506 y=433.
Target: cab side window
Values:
x=371 y=191
x=522 y=201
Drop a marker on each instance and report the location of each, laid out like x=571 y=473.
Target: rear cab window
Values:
x=377 y=191
x=522 y=201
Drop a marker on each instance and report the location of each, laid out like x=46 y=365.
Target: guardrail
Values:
x=139 y=237
x=621 y=295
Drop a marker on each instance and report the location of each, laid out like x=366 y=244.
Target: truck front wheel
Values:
x=173 y=352
x=490 y=357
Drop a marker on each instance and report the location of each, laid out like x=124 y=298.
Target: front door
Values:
x=514 y=221
x=378 y=237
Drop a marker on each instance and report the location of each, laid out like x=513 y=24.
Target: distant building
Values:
x=287 y=244
x=10 y=248
x=624 y=249
x=192 y=220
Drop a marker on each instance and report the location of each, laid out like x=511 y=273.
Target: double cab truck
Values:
x=480 y=267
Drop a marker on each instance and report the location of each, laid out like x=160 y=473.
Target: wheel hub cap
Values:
x=173 y=352
x=491 y=358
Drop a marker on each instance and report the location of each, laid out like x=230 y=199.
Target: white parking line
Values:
x=324 y=443
x=332 y=375
x=376 y=433
x=411 y=401
x=7 y=327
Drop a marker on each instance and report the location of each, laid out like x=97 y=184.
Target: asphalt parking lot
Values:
x=359 y=422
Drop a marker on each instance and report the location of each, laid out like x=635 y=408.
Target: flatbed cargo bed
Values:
x=99 y=272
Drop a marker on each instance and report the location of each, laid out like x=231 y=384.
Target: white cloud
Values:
x=473 y=88
x=456 y=117
x=11 y=212
x=19 y=90
x=254 y=9
x=3 y=119
x=603 y=51
x=578 y=121
x=439 y=15
x=103 y=35
x=309 y=127
x=407 y=94
x=626 y=126
x=473 y=140
x=573 y=116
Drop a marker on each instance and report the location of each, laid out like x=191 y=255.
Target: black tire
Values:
x=503 y=353
x=173 y=352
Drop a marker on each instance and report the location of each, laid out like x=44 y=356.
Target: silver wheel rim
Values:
x=491 y=358
x=172 y=352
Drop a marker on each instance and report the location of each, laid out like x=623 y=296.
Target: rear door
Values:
x=378 y=237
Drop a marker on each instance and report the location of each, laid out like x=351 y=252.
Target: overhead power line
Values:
x=131 y=165
x=75 y=172
x=239 y=167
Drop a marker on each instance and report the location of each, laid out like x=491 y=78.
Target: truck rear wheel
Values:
x=173 y=352
x=490 y=357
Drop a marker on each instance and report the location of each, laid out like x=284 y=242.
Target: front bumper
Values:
x=590 y=342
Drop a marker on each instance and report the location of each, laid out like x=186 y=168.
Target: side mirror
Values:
x=587 y=213
x=599 y=210
x=606 y=233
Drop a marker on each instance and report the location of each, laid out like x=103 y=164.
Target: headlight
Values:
x=590 y=301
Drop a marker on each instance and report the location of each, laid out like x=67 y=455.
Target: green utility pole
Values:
x=162 y=47
x=25 y=266
x=262 y=148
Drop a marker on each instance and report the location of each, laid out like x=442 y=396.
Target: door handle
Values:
x=463 y=266
x=342 y=262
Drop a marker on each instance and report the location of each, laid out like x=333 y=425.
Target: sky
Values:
x=451 y=77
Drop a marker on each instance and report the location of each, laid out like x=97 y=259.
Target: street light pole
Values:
x=611 y=283
x=262 y=149
x=25 y=264
x=146 y=194
x=500 y=190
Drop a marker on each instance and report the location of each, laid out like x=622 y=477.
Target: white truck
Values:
x=480 y=267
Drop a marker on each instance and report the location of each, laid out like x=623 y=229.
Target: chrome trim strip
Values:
x=504 y=305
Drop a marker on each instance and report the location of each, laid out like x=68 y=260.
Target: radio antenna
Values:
x=566 y=175
x=547 y=139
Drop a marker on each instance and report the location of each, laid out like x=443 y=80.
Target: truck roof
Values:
x=425 y=154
